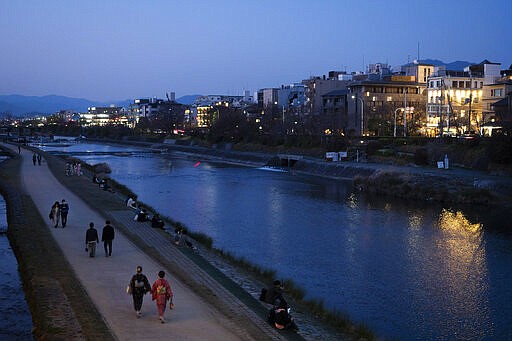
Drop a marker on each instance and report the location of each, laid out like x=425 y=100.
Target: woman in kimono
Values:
x=55 y=214
x=161 y=292
x=139 y=286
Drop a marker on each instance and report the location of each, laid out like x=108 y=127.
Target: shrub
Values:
x=421 y=157
x=372 y=147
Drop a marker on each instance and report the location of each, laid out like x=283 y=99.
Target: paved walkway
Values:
x=105 y=278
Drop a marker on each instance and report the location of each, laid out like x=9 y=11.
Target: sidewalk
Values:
x=105 y=278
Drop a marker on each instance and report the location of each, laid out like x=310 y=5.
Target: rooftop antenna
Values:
x=418 y=52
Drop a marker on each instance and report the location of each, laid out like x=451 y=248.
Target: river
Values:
x=407 y=270
x=15 y=321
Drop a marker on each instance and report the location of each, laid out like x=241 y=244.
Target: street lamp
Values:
x=362 y=113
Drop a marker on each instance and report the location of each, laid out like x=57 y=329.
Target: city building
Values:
x=316 y=87
x=394 y=106
x=455 y=98
x=334 y=117
x=291 y=96
x=420 y=71
x=102 y=116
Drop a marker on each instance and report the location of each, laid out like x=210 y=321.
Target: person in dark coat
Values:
x=107 y=236
x=274 y=294
x=91 y=238
x=64 y=210
x=157 y=222
x=139 y=286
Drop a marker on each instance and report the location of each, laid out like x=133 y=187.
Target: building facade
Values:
x=393 y=106
x=455 y=99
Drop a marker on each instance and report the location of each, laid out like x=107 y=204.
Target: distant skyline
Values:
x=107 y=50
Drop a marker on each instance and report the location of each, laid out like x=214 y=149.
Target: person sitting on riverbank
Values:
x=281 y=319
x=157 y=222
x=141 y=215
x=273 y=294
x=178 y=237
x=131 y=203
x=105 y=186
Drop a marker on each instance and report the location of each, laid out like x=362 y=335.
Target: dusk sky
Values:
x=112 y=50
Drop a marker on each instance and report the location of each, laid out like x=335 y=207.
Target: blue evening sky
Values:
x=112 y=50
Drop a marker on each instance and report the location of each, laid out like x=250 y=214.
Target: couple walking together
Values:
x=59 y=211
x=160 y=292
x=91 y=238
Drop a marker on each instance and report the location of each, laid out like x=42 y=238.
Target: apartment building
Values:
x=455 y=98
x=391 y=106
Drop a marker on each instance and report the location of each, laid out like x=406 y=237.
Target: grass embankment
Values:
x=60 y=307
x=335 y=319
x=424 y=188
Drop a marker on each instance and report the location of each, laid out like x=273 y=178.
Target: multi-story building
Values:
x=316 y=87
x=420 y=71
x=103 y=116
x=455 y=98
x=392 y=106
x=493 y=93
x=225 y=100
x=334 y=117
x=291 y=96
x=268 y=97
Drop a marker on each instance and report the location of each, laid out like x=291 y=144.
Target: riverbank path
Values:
x=105 y=278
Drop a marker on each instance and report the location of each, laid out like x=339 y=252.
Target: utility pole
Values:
x=470 y=102
x=405 y=111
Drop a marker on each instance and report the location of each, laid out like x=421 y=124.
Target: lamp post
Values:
x=362 y=113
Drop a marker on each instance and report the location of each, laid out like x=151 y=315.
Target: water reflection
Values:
x=462 y=275
x=15 y=321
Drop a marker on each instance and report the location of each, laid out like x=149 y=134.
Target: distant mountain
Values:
x=454 y=66
x=20 y=105
x=188 y=99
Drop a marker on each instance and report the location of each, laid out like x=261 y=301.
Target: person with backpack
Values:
x=161 y=293
x=139 y=286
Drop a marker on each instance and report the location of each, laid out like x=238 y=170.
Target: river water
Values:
x=408 y=270
x=15 y=318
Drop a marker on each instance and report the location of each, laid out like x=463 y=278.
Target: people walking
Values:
x=106 y=237
x=161 y=292
x=34 y=159
x=91 y=238
x=139 y=286
x=39 y=158
x=55 y=214
x=64 y=210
